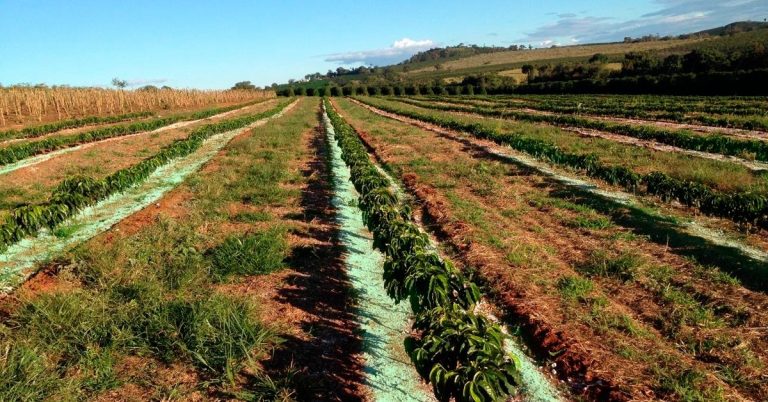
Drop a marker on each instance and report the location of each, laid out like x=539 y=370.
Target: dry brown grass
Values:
x=20 y=105
x=555 y=53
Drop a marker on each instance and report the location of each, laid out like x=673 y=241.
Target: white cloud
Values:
x=672 y=17
x=400 y=50
x=407 y=43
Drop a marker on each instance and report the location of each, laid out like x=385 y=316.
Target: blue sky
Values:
x=214 y=44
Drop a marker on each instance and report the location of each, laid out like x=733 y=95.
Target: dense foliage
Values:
x=458 y=351
x=74 y=194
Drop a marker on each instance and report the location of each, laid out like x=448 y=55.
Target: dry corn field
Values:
x=30 y=104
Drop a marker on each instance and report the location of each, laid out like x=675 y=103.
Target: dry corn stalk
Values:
x=26 y=104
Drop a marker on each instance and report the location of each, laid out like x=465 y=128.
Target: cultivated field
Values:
x=501 y=60
x=412 y=248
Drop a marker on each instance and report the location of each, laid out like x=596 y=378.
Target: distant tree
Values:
x=119 y=83
x=290 y=92
x=336 y=91
x=347 y=90
x=672 y=63
x=374 y=90
x=469 y=90
x=148 y=88
x=300 y=91
x=246 y=85
x=310 y=91
x=529 y=70
x=387 y=91
x=166 y=88
x=598 y=58
x=323 y=91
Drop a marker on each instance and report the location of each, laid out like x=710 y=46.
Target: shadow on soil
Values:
x=328 y=369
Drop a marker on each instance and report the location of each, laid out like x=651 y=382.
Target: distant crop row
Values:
x=459 y=352
x=17 y=152
x=748 y=119
x=36 y=131
x=712 y=143
x=741 y=206
x=74 y=194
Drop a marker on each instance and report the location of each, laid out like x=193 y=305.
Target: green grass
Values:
x=623 y=266
x=574 y=288
x=252 y=217
x=63 y=231
x=255 y=253
x=151 y=295
x=688 y=386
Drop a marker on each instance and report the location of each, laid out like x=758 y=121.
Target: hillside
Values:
x=736 y=50
x=513 y=58
x=736 y=27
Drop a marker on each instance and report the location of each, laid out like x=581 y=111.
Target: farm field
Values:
x=33 y=182
x=502 y=60
x=582 y=266
x=472 y=202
